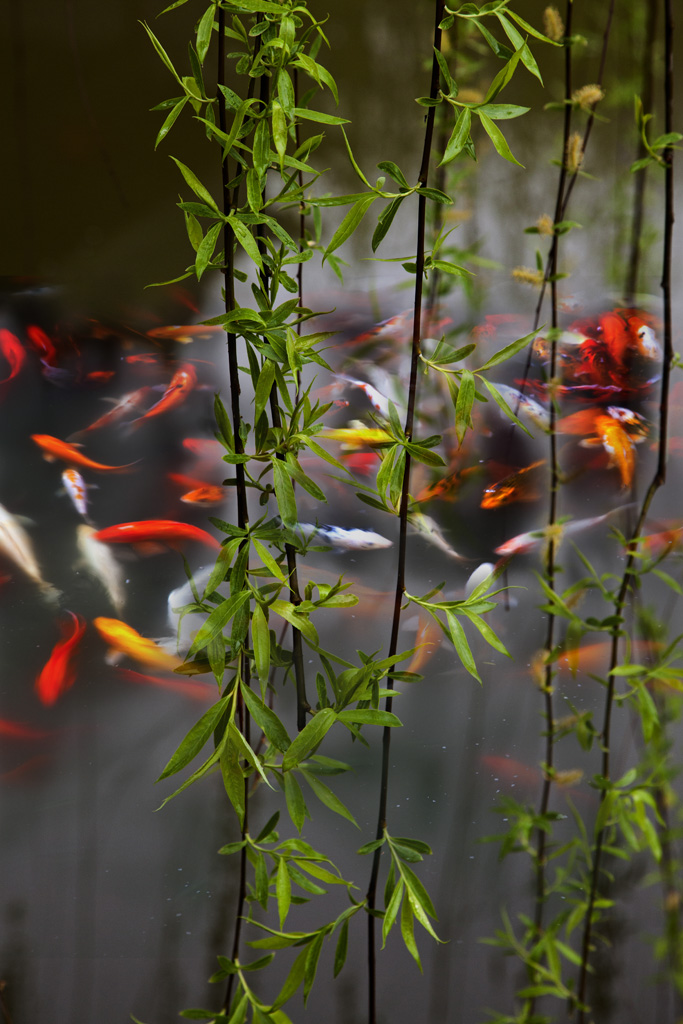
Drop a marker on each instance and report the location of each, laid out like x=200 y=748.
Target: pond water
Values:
x=111 y=909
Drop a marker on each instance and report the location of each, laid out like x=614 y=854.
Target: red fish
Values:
x=205 y=692
x=165 y=531
x=204 y=446
x=364 y=463
x=182 y=382
x=59 y=672
x=13 y=352
x=122 y=406
x=43 y=344
x=147 y=358
x=56 y=449
x=184 y=333
x=100 y=376
x=19 y=731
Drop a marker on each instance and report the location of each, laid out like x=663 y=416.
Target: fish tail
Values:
x=53 y=595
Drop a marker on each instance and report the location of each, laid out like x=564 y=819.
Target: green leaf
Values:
x=296 y=618
x=317 y=115
x=497 y=138
x=268 y=560
x=503 y=406
x=206 y=248
x=314 y=951
x=296 y=805
x=463 y=406
x=283 y=890
x=385 y=220
x=195 y=184
x=196 y=738
x=342 y=947
x=368 y=716
x=246 y=240
x=350 y=222
x=407 y=931
x=162 y=52
x=265 y=718
x=328 y=797
x=284 y=492
x=264 y=386
x=170 y=120
x=508 y=352
x=457 y=635
x=280 y=134
x=459 y=136
x=217 y=621
x=233 y=779
x=204 y=30
x=309 y=737
x=391 y=912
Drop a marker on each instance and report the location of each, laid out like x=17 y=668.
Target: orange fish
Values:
x=364 y=463
x=205 y=692
x=143 y=357
x=519 y=486
x=166 y=531
x=123 y=639
x=184 y=333
x=53 y=449
x=618 y=444
x=100 y=376
x=13 y=352
x=59 y=672
x=204 y=446
x=449 y=485
x=182 y=382
x=211 y=494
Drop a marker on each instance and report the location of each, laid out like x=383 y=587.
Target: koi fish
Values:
x=364 y=463
x=510 y=771
x=99 y=562
x=43 y=344
x=19 y=731
x=147 y=358
x=377 y=400
x=519 y=486
x=205 y=692
x=77 y=489
x=53 y=449
x=184 y=333
x=481 y=573
x=182 y=382
x=525 y=542
x=16 y=545
x=100 y=376
x=356 y=435
x=656 y=545
x=618 y=445
x=448 y=486
x=204 y=446
x=123 y=639
x=427 y=642
x=524 y=406
x=59 y=673
x=132 y=401
x=166 y=531
x=13 y=352
x=200 y=492
x=343 y=540
x=430 y=530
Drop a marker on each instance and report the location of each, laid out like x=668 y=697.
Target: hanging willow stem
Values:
x=631 y=286
x=403 y=512
x=658 y=480
x=241 y=489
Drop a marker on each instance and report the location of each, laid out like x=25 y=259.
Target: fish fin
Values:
x=591 y=442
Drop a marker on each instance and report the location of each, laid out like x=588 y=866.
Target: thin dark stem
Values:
x=647 y=83
x=657 y=481
x=403 y=512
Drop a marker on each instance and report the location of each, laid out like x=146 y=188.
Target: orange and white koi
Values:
x=618 y=444
x=53 y=449
x=122 y=406
x=59 y=672
x=122 y=639
x=13 y=352
x=182 y=382
x=165 y=531
x=15 y=544
x=520 y=486
x=76 y=487
x=98 y=560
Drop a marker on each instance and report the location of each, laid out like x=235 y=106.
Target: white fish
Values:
x=377 y=400
x=430 y=530
x=524 y=542
x=101 y=563
x=343 y=540
x=524 y=406
x=16 y=545
x=647 y=343
x=478 y=576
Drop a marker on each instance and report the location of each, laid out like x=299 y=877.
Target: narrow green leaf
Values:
x=195 y=184
x=368 y=716
x=233 y=779
x=195 y=739
x=317 y=115
x=407 y=931
x=296 y=805
x=463 y=406
x=459 y=136
x=265 y=718
x=260 y=635
x=204 y=30
x=328 y=797
x=342 y=947
x=350 y=222
x=217 y=621
x=268 y=560
x=457 y=635
x=162 y=52
x=508 y=352
x=391 y=913
x=309 y=737
x=205 y=249
x=170 y=120
x=283 y=890
x=497 y=138
x=284 y=492
x=264 y=386
x=280 y=134
x=246 y=239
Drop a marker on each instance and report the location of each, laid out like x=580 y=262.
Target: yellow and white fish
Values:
x=123 y=639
